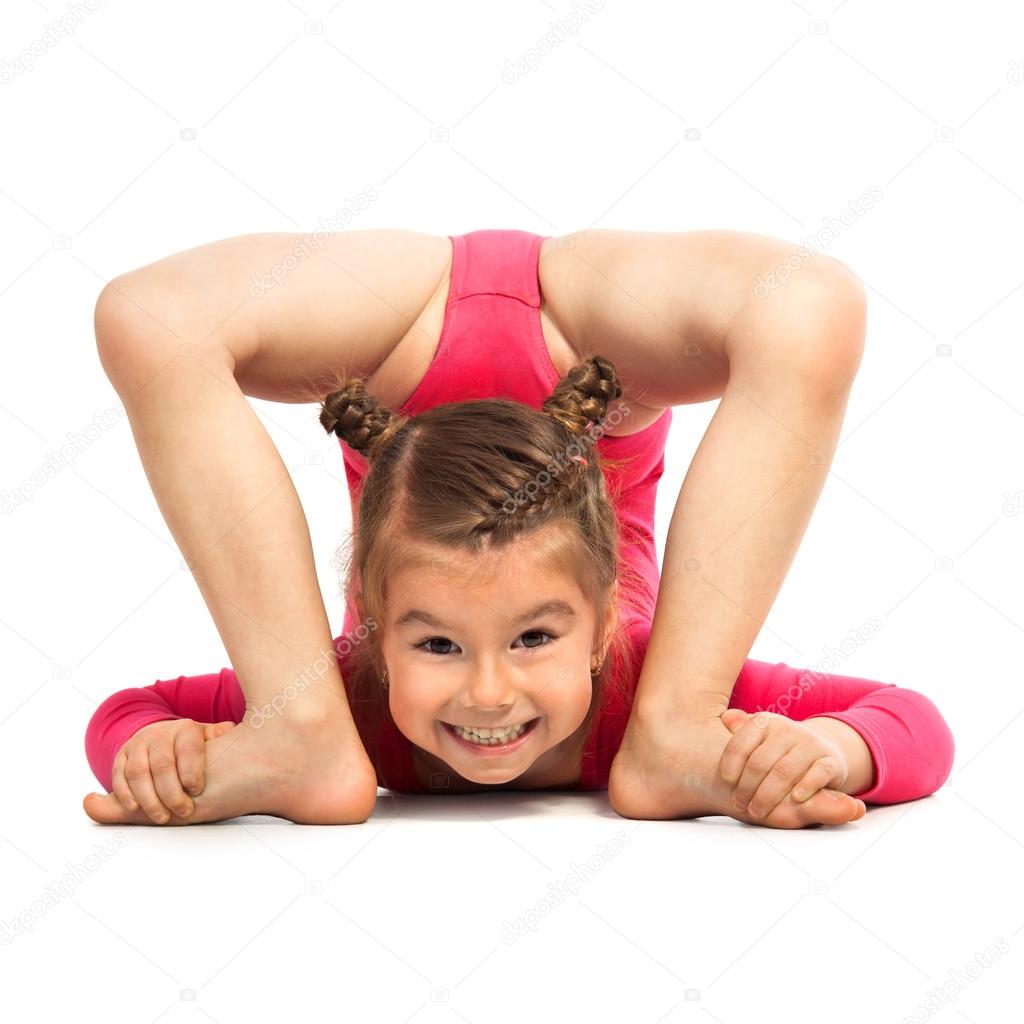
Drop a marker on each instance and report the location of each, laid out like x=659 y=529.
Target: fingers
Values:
x=743 y=742
x=190 y=759
x=816 y=777
x=140 y=779
x=218 y=729
x=733 y=718
x=778 y=783
x=120 y=783
x=190 y=755
x=164 y=769
x=770 y=758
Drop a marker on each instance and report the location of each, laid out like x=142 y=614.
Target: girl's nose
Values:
x=490 y=691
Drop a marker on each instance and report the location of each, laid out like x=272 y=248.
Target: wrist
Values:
x=860 y=765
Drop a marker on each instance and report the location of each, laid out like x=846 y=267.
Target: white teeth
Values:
x=490 y=737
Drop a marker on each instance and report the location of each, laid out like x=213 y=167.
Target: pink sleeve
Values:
x=214 y=697
x=910 y=742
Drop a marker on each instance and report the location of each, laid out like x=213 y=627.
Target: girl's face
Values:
x=490 y=641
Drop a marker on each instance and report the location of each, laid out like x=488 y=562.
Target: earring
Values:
x=384 y=679
x=595 y=669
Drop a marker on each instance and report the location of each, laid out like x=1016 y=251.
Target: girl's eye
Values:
x=425 y=644
x=538 y=632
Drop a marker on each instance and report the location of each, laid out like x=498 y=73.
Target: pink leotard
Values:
x=493 y=309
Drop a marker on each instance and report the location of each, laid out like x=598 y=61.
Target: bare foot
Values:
x=313 y=776
x=670 y=770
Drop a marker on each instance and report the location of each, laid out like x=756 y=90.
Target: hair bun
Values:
x=582 y=396
x=355 y=415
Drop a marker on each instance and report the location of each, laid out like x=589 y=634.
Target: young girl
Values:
x=506 y=626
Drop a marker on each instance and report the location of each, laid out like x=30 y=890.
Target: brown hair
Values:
x=478 y=475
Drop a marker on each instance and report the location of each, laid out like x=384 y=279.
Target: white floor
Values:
x=480 y=908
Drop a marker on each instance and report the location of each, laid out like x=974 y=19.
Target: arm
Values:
x=751 y=487
x=901 y=746
x=214 y=697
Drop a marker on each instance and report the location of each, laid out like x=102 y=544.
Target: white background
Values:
x=792 y=112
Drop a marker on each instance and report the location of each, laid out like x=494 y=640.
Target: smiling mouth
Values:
x=468 y=739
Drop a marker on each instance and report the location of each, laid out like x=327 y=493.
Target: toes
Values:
x=826 y=807
x=833 y=808
x=106 y=809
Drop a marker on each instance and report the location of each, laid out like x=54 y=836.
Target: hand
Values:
x=770 y=757
x=159 y=762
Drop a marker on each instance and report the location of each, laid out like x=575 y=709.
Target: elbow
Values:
x=97 y=747
x=941 y=753
x=926 y=752
x=933 y=757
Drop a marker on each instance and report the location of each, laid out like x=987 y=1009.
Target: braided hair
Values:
x=579 y=399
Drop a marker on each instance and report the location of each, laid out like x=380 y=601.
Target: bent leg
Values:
x=183 y=341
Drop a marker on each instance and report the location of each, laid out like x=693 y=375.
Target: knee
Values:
x=147 y=323
x=132 y=327
x=819 y=329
